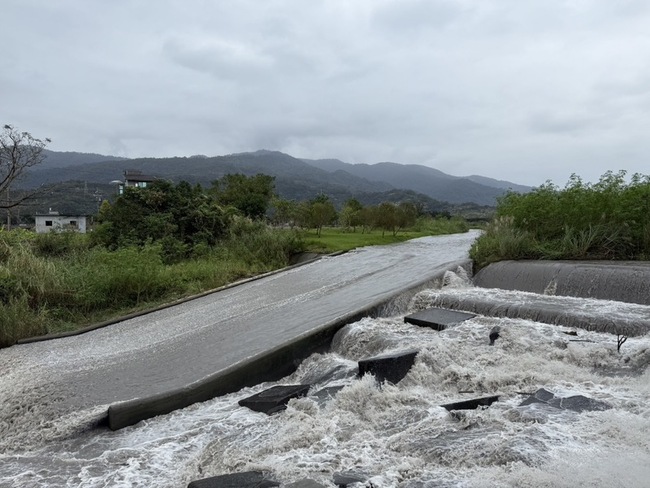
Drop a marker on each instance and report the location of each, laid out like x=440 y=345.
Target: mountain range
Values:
x=296 y=179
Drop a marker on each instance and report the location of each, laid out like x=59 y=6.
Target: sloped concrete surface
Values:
x=627 y=281
x=155 y=363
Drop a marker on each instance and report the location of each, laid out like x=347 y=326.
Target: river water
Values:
x=395 y=435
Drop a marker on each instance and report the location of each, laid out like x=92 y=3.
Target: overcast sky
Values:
x=520 y=90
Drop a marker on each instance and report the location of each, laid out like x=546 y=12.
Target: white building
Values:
x=54 y=222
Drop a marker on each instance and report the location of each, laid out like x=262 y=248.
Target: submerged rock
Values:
x=346 y=478
x=248 y=479
x=494 y=334
x=471 y=404
x=274 y=399
x=576 y=403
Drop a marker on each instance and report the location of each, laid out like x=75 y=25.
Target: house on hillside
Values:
x=136 y=179
x=55 y=222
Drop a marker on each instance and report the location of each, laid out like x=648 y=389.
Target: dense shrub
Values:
x=606 y=220
x=256 y=243
x=143 y=215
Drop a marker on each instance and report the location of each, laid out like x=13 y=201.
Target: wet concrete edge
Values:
x=180 y=301
x=625 y=281
x=268 y=366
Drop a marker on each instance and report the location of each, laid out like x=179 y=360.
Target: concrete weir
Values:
x=271 y=364
x=627 y=281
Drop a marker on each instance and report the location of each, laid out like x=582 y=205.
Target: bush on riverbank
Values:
x=606 y=220
x=68 y=284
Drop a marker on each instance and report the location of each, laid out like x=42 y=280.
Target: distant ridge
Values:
x=428 y=181
x=297 y=179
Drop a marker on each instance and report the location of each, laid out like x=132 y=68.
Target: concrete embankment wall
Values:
x=270 y=365
x=627 y=281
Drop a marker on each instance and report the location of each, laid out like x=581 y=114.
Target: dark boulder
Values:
x=249 y=479
x=575 y=403
x=471 y=404
x=346 y=478
x=494 y=334
x=388 y=367
x=274 y=399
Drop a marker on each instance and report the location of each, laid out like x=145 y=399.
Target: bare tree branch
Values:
x=19 y=151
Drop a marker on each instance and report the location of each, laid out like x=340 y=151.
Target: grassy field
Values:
x=333 y=239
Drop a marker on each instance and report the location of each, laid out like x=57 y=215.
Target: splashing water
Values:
x=398 y=435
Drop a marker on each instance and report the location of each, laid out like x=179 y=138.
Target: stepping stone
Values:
x=388 y=367
x=248 y=479
x=576 y=403
x=437 y=318
x=471 y=404
x=274 y=399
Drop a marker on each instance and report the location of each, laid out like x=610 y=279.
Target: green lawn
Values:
x=334 y=239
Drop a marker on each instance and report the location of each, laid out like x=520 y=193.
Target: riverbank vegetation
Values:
x=157 y=244
x=609 y=219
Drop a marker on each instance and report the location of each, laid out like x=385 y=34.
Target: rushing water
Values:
x=397 y=435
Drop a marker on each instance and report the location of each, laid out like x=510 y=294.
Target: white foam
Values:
x=396 y=434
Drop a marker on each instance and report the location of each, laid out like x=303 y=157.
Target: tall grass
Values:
x=59 y=283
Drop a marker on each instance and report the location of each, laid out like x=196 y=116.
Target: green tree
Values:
x=351 y=214
x=182 y=215
x=320 y=212
x=251 y=195
x=406 y=215
x=285 y=211
x=386 y=217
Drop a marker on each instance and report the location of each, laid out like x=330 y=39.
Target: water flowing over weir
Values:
x=394 y=435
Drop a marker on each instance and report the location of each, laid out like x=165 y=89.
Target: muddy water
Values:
x=398 y=436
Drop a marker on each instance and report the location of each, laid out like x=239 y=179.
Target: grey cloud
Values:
x=222 y=58
x=556 y=123
x=406 y=17
x=513 y=90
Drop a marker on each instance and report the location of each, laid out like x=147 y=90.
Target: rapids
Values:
x=397 y=435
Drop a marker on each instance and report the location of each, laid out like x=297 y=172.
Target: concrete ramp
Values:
x=627 y=281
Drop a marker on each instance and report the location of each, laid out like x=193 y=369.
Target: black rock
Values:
x=471 y=404
x=494 y=334
x=437 y=318
x=346 y=478
x=274 y=399
x=575 y=403
x=388 y=367
x=249 y=479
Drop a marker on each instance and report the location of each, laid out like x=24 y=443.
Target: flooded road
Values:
x=395 y=435
x=180 y=345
